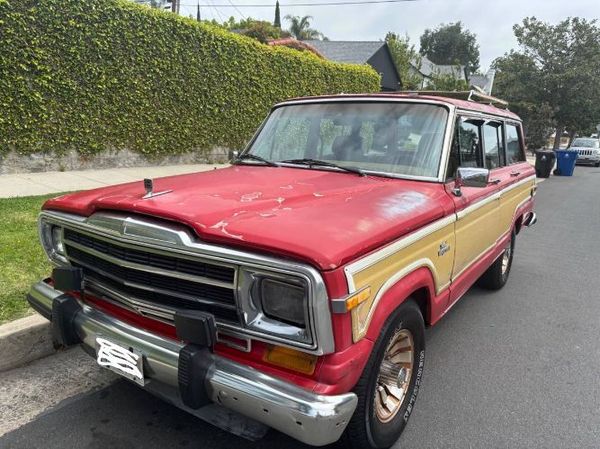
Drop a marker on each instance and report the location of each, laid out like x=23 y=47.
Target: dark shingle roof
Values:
x=351 y=52
x=429 y=69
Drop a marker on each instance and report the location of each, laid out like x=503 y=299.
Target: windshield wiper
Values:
x=317 y=162
x=254 y=157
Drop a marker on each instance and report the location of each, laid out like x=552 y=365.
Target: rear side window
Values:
x=493 y=141
x=514 y=150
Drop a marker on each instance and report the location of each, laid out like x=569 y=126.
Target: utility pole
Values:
x=198 y=12
x=175 y=6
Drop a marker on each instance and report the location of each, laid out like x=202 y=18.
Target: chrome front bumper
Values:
x=308 y=417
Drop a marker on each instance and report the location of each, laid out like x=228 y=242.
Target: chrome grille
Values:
x=585 y=152
x=153 y=283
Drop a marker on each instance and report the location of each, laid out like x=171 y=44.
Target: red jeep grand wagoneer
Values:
x=294 y=287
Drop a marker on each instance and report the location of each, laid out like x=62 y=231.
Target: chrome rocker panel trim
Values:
x=308 y=417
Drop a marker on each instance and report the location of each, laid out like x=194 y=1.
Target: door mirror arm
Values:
x=457 y=185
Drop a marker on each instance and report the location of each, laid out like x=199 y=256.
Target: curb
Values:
x=23 y=341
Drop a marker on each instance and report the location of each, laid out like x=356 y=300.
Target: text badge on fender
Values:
x=125 y=362
x=444 y=248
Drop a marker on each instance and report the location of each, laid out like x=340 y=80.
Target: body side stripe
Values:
x=371 y=259
x=473 y=207
x=476 y=259
x=398 y=245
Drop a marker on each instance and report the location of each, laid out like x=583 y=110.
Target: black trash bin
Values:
x=544 y=163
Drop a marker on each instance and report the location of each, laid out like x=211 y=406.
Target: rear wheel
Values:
x=497 y=274
x=388 y=387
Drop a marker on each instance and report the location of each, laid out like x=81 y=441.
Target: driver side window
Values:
x=466 y=148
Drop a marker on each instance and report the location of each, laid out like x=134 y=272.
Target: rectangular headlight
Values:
x=276 y=304
x=51 y=238
x=283 y=301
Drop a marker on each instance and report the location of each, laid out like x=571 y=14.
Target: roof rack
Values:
x=468 y=95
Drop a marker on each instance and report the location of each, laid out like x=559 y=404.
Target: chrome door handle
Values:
x=515 y=173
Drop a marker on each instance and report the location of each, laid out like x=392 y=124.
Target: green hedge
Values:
x=93 y=75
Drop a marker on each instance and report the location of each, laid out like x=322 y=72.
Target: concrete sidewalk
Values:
x=28 y=184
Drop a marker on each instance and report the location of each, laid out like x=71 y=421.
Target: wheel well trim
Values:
x=520 y=212
x=360 y=331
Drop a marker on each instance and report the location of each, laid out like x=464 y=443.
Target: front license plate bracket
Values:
x=127 y=362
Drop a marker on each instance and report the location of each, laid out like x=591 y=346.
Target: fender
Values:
x=339 y=372
x=398 y=290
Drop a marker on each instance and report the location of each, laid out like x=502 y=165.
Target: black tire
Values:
x=496 y=276
x=597 y=164
x=365 y=430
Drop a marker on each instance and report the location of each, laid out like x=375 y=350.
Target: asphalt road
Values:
x=519 y=368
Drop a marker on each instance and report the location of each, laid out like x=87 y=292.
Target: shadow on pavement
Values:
x=124 y=416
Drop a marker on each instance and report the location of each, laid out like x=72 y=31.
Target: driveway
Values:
x=519 y=368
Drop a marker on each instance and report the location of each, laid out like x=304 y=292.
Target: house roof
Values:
x=351 y=52
x=428 y=69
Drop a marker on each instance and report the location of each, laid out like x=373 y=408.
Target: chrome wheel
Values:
x=394 y=376
x=506 y=259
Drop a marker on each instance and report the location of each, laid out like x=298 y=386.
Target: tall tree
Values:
x=277 y=21
x=450 y=44
x=517 y=81
x=300 y=28
x=554 y=76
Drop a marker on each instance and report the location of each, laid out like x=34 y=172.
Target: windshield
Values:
x=586 y=143
x=395 y=138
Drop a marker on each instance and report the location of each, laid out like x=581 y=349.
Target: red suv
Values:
x=294 y=287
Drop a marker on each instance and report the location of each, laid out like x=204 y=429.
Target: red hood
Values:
x=325 y=218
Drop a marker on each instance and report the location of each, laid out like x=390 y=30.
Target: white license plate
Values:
x=126 y=362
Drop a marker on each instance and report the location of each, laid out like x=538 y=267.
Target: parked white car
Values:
x=588 y=150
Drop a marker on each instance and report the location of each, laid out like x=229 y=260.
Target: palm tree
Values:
x=300 y=28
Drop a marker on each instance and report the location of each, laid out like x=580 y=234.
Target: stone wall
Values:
x=41 y=162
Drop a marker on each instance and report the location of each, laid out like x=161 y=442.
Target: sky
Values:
x=491 y=21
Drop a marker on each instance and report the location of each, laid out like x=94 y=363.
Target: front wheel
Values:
x=388 y=387
x=497 y=274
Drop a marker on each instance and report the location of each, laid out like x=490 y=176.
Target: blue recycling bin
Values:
x=565 y=162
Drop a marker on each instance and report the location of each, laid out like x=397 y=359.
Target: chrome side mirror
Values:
x=470 y=177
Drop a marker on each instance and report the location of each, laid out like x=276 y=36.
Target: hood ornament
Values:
x=149 y=188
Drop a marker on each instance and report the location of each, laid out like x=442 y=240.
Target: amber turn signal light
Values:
x=291 y=359
x=353 y=301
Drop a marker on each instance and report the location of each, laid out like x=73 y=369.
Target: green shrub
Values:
x=96 y=75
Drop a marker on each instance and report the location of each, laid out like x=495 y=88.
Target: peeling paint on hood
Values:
x=326 y=218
